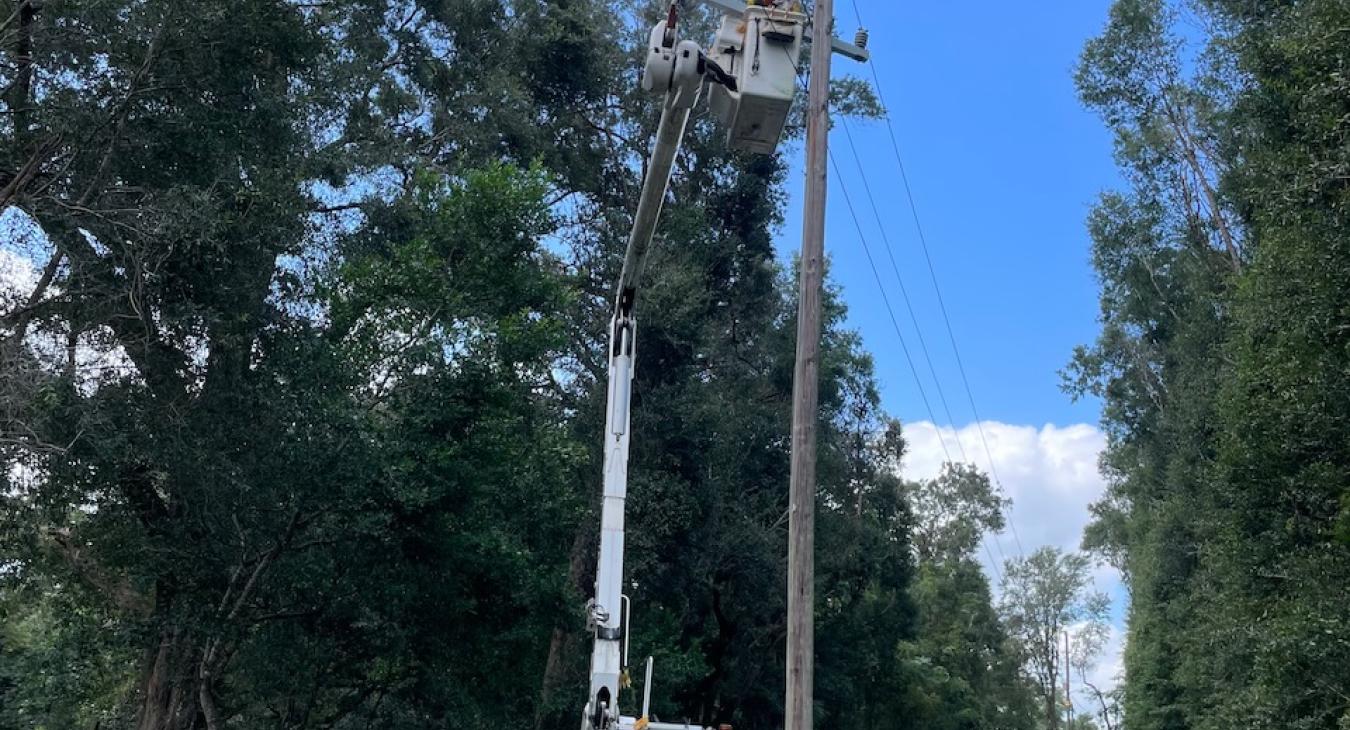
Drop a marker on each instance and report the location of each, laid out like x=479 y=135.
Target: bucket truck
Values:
x=752 y=70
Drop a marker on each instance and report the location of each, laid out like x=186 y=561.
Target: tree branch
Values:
x=18 y=184
x=21 y=317
x=117 y=588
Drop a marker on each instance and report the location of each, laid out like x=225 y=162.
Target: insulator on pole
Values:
x=860 y=38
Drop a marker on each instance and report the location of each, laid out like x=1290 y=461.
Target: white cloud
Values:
x=1051 y=474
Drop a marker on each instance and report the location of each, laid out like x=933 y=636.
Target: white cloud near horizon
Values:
x=1051 y=475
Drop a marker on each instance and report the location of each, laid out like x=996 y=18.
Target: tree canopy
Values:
x=1224 y=363
x=302 y=374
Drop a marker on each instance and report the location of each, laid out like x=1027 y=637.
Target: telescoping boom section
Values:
x=752 y=71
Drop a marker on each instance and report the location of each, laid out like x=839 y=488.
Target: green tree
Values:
x=1044 y=595
x=274 y=398
x=954 y=512
x=963 y=670
x=1221 y=358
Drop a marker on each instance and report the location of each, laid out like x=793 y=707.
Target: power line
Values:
x=881 y=226
x=937 y=428
x=932 y=273
x=890 y=311
x=904 y=292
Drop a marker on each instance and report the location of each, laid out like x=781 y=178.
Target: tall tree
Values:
x=1222 y=357
x=1044 y=595
x=303 y=397
x=964 y=670
x=954 y=513
x=263 y=228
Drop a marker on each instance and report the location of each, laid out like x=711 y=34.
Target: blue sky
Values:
x=1005 y=164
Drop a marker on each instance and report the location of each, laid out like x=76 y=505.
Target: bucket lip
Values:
x=786 y=15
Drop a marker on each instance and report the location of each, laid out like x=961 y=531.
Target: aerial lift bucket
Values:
x=760 y=50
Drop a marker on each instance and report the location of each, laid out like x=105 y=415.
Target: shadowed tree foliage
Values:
x=301 y=358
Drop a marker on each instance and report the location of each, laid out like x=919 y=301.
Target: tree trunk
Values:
x=169 y=688
x=1052 y=719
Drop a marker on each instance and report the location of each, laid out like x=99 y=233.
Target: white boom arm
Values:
x=677 y=69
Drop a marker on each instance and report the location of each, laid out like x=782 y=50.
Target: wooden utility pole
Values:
x=806 y=385
x=1068 y=698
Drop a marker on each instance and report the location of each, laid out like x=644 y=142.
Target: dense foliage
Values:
x=1224 y=361
x=302 y=381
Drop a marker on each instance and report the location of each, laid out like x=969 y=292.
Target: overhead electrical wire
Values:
x=802 y=77
x=913 y=318
x=937 y=430
x=904 y=291
x=937 y=288
x=890 y=311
